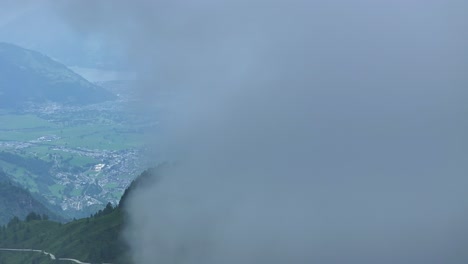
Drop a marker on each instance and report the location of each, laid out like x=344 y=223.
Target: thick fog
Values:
x=303 y=131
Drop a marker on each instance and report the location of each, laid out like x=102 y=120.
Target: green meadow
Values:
x=45 y=152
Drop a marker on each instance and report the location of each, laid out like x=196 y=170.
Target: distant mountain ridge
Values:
x=27 y=76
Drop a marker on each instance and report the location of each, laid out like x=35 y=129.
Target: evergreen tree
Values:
x=45 y=217
x=108 y=209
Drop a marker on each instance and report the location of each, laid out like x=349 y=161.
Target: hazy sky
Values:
x=305 y=131
x=35 y=24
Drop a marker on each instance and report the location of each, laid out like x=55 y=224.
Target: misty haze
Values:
x=234 y=131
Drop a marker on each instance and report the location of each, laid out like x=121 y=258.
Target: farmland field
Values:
x=77 y=158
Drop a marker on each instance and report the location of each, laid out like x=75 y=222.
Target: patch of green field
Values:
x=107 y=135
x=22 y=136
x=77 y=191
x=80 y=161
x=98 y=137
x=40 y=151
x=111 y=185
x=57 y=189
x=12 y=121
x=97 y=175
x=62 y=154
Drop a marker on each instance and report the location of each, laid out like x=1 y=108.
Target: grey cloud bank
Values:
x=305 y=131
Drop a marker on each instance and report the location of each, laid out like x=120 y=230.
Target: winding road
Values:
x=52 y=256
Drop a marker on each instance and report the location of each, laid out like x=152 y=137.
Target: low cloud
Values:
x=304 y=131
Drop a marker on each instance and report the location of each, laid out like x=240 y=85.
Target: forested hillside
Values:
x=95 y=239
x=16 y=201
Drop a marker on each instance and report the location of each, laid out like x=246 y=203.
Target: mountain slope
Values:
x=91 y=239
x=16 y=201
x=94 y=239
x=28 y=76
